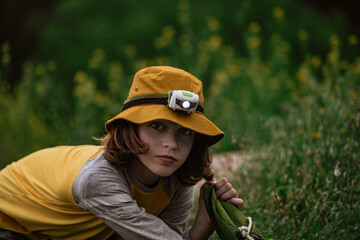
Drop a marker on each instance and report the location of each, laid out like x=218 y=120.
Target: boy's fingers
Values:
x=228 y=195
x=225 y=192
x=221 y=183
x=212 y=182
x=238 y=202
x=225 y=189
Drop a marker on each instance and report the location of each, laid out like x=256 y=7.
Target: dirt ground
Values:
x=225 y=164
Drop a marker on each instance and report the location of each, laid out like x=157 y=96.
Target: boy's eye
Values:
x=187 y=132
x=157 y=125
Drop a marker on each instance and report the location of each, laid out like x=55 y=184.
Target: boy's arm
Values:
x=111 y=202
x=176 y=215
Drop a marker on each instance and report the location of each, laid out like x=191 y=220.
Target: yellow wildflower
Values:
x=40 y=69
x=254 y=42
x=51 y=65
x=168 y=31
x=115 y=70
x=353 y=94
x=316 y=135
x=130 y=50
x=80 y=77
x=221 y=77
x=183 y=5
x=97 y=56
x=99 y=53
x=213 y=24
x=334 y=40
x=254 y=27
x=303 y=35
x=6 y=58
x=214 y=42
x=233 y=69
x=278 y=13
x=315 y=61
x=333 y=56
x=166 y=37
x=353 y=40
x=5 y=47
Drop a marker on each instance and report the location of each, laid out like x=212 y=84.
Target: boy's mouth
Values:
x=166 y=158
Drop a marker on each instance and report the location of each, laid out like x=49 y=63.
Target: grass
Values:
x=305 y=182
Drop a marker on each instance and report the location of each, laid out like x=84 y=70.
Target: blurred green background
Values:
x=281 y=79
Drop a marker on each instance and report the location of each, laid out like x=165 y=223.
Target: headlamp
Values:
x=183 y=100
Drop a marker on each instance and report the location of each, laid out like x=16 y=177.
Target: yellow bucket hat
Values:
x=168 y=93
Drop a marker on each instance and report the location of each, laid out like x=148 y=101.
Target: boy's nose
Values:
x=170 y=140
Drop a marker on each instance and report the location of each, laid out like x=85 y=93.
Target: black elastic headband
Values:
x=141 y=101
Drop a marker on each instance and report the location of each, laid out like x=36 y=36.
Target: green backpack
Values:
x=229 y=222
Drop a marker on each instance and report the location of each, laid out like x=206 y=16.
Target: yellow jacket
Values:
x=37 y=198
x=42 y=182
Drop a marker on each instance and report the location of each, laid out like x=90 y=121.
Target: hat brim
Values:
x=195 y=121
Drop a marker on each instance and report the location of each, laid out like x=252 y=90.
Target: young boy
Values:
x=137 y=185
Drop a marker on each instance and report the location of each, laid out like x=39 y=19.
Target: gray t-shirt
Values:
x=104 y=189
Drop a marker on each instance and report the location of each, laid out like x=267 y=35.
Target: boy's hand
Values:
x=202 y=227
x=225 y=192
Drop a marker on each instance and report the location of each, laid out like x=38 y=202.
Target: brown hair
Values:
x=123 y=143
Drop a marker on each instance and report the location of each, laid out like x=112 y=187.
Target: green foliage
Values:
x=281 y=87
x=306 y=183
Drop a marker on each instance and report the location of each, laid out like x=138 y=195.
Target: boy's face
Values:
x=169 y=146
